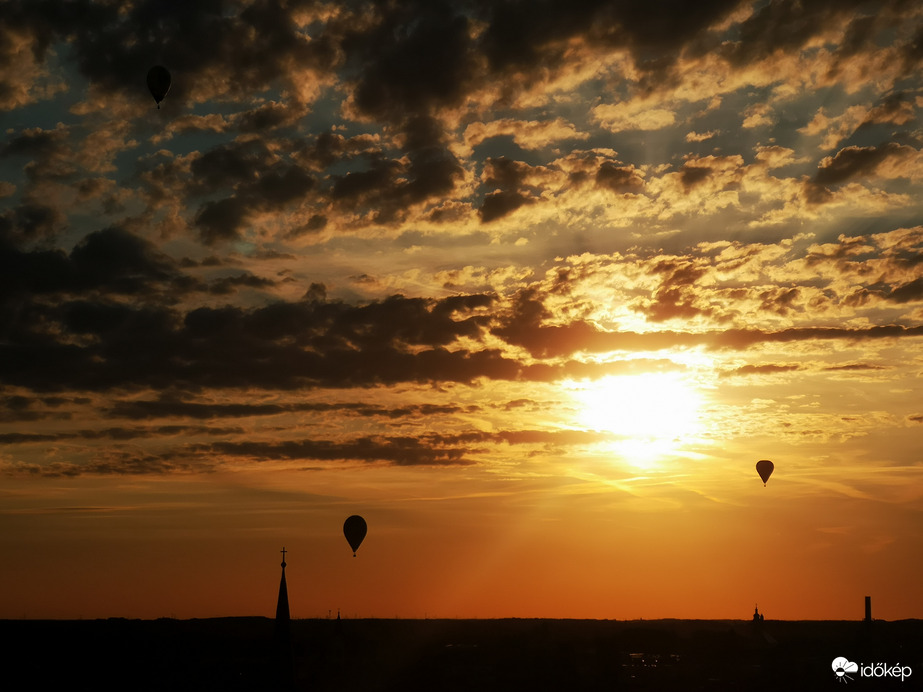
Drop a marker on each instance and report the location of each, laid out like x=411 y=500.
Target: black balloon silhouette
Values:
x=158 y=81
x=764 y=468
x=355 y=528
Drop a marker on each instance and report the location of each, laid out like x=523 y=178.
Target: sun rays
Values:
x=651 y=415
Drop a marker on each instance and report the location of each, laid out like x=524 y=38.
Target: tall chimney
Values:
x=868 y=608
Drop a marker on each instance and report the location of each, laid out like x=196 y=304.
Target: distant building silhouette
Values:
x=282 y=611
x=284 y=663
x=868 y=608
x=757 y=616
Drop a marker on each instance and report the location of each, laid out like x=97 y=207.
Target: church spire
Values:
x=282 y=612
x=284 y=667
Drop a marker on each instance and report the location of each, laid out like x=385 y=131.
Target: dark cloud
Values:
x=111 y=261
x=99 y=341
x=908 y=292
x=859 y=36
x=779 y=300
x=858 y=297
x=171 y=407
x=504 y=173
x=390 y=187
x=37 y=218
x=112 y=312
x=912 y=52
x=18 y=409
x=261 y=182
x=745 y=338
x=399 y=451
x=221 y=220
x=282 y=345
x=620 y=179
x=116 y=434
x=315 y=224
x=519 y=403
x=527 y=38
x=36 y=143
x=498 y=204
x=416 y=58
x=524 y=325
x=676 y=297
x=30 y=221
x=380 y=175
x=506 y=181
x=789 y=25
x=426 y=450
x=847 y=248
x=230 y=284
x=852 y=163
x=692 y=176
x=229 y=165
x=86 y=317
x=280 y=185
x=113 y=464
x=328 y=148
x=897 y=108
x=120 y=261
x=114 y=46
x=552 y=438
x=764 y=369
x=853 y=367
x=269 y=116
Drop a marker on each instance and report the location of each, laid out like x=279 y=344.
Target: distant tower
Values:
x=284 y=665
x=868 y=608
x=282 y=612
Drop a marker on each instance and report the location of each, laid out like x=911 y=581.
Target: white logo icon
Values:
x=842 y=666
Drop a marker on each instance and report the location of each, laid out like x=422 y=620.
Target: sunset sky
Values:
x=531 y=286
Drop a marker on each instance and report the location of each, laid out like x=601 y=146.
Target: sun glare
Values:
x=651 y=414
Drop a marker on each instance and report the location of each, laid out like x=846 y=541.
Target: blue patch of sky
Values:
x=188 y=142
x=505 y=146
x=215 y=107
x=344 y=166
x=880 y=223
x=326 y=112
x=44 y=114
x=47 y=113
x=11 y=171
x=872 y=135
x=829 y=230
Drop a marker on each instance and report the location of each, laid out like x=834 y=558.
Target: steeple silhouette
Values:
x=282 y=612
x=284 y=664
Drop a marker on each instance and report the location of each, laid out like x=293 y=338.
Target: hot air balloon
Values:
x=355 y=528
x=764 y=468
x=158 y=81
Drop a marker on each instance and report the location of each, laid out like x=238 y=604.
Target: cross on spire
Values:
x=283 y=555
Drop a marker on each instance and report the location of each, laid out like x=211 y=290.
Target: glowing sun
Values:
x=653 y=414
